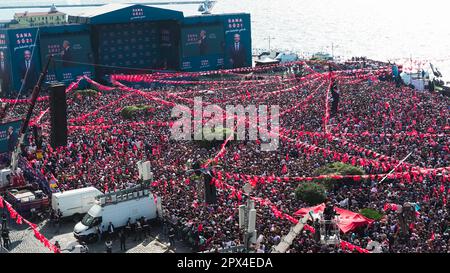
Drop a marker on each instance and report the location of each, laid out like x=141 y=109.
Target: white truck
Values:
x=75 y=203
x=116 y=208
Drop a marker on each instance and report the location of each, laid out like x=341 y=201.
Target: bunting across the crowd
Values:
x=20 y=220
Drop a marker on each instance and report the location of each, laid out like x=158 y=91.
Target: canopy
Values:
x=348 y=220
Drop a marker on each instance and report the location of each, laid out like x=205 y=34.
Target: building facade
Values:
x=33 y=19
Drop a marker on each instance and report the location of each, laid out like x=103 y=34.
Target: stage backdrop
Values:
x=71 y=53
x=7 y=143
x=237 y=29
x=169 y=43
x=5 y=64
x=25 y=59
x=202 y=46
x=226 y=42
x=134 y=45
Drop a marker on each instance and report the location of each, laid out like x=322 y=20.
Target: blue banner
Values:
x=25 y=57
x=72 y=55
x=9 y=133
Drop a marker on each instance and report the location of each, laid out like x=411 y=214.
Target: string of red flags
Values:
x=20 y=220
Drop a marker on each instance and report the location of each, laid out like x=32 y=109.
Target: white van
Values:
x=116 y=208
x=75 y=203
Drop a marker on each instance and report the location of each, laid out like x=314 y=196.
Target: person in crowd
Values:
x=128 y=227
x=84 y=248
x=317 y=230
x=99 y=230
x=111 y=230
x=138 y=230
x=57 y=222
x=172 y=237
x=123 y=238
x=5 y=237
x=108 y=245
x=57 y=245
x=4 y=220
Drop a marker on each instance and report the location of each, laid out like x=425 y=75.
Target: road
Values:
x=23 y=240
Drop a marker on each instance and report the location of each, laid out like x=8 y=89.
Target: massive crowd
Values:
x=104 y=147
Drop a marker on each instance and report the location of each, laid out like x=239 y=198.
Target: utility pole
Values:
x=332 y=50
x=270 y=38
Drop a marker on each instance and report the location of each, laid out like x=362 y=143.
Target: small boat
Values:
x=287 y=57
x=275 y=57
x=206 y=7
x=266 y=60
x=322 y=56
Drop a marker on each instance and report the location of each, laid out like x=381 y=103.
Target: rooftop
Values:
x=102 y=10
x=30 y=14
x=188 y=8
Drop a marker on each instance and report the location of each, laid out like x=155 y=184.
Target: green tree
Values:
x=216 y=133
x=337 y=168
x=86 y=92
x=311 y=193
x=129 y=111
x=371 y=214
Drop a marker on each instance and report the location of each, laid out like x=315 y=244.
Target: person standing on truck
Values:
x=108 y=245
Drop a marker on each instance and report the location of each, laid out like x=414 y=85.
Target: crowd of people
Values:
x=104 y=147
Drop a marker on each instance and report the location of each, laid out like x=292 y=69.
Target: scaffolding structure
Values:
x=329 y=230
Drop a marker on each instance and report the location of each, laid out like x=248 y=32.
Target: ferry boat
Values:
x=275 y=57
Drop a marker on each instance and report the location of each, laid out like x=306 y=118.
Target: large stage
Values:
x=124 y=38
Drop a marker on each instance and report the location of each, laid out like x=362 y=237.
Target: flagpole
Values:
x=400 y=163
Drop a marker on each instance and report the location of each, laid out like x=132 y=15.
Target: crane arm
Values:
x=23 y=129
